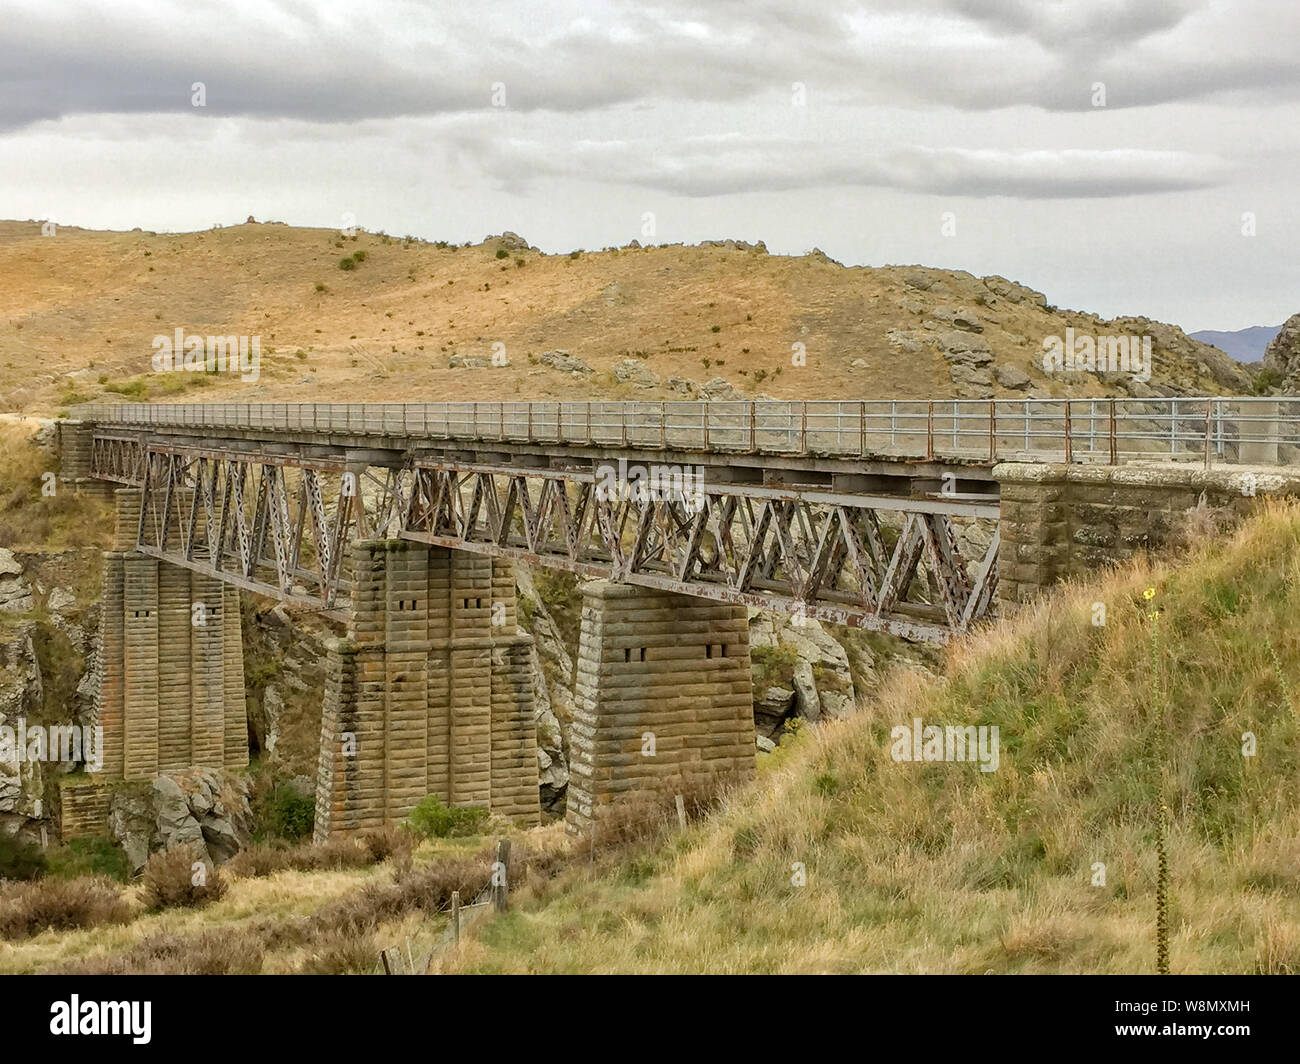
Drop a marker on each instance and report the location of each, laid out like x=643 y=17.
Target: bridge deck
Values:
x=1221 y=429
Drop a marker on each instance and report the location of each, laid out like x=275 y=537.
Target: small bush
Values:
x=61 y=904
x=347 y=263
x=502 y=253
x=320 y=286
x=433 y=820
x=359 y=255
x=287 y=814
x=19 y=859
x=383 y=843
x=174 y=879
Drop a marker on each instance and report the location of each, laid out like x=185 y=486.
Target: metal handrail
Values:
x=1226 y=429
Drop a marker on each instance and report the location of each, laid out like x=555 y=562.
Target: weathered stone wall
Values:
x=660 y=668
x=1058 y=521
x=83 y=809
x=431 y=693
x=171 y=694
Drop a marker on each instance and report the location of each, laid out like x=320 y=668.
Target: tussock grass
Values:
x=32 y=520
x=942 y=868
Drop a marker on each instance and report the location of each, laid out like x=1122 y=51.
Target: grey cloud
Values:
x=717 y=166
x=388 y=59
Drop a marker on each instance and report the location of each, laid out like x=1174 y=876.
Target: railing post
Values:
x=588 y=422
x=1209 y=417
x=862 y=428
x=663 y=424
x=753 y=418
x=622 y=407
x=1069 y=454
x=1113 y=441
x=530 y=422
x=929 y=430
x=803 y=426
x=705 y=418
x=993 y=430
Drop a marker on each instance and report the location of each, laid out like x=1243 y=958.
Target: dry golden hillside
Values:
x=79 y=311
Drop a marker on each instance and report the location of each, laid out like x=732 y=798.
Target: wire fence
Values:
x=1214 y=429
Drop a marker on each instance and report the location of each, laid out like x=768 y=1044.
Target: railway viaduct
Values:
x=914 y=518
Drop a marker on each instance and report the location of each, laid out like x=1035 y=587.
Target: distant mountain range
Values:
x=1245 y=345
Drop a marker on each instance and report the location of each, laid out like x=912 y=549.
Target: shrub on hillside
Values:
x=181 y=878
x=347 y=263
x=19 y=859
x=433 y=820
x=62 y=904
x=288 y=814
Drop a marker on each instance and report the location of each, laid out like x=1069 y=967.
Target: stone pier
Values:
x=172 y=689
x=664 y=699
x=430 y=693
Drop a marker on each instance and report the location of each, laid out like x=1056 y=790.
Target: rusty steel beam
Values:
x=280 y=524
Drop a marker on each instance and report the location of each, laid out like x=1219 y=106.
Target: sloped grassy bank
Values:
x=941 y=867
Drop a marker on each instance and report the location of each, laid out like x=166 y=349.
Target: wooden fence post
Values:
x=681 y=812
x=455 y=918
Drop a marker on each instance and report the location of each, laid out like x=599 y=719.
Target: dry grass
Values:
x=35 y=521
x=942 y=868
x=292 y=920
x=27 y=909
x=93 y=301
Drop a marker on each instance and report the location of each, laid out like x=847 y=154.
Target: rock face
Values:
x=15 y=590
x=205 y=808
x=552 y=669
x=800 y=670
x=467 y=362
x=22 y=783
x=285 y=685
x=1282 y=355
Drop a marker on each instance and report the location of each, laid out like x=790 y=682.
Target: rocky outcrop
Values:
x=204 y=808
x=1282 y=356
x=719 y=389
x=467 y=362
x=15 y=589
x=635 y=372
x=1013 y=292
x=565 y=363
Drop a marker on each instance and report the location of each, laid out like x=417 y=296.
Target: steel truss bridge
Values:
x=848 y=512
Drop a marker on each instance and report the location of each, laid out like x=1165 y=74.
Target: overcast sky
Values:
x=1102 y=151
